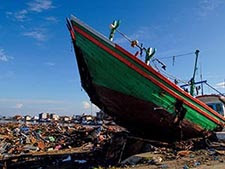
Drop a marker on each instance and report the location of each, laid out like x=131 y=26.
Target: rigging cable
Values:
x=174 y=56
x=214 y=89
x=170 y=76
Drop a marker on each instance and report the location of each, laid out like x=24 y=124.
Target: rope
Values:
x=132 y=41
x=125 y=36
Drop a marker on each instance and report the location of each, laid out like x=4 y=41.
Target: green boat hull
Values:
x=137 y=96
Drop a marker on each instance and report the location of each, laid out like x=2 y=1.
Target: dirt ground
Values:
x=200 y=159
x=211 y=166
x=204 y=166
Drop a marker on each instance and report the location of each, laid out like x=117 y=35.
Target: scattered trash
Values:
x=164 y=166
x=197 y=163
x=157 y=160
x=80 y=161
x=133 y=160
x=185 y=167
x=67 y=159
x=183 y=153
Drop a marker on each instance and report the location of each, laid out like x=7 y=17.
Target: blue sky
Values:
x=38 y=71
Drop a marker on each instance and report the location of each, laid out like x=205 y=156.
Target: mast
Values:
x=201 y=79
x=192 y=81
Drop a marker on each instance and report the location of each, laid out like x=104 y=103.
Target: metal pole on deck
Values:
x=201 y=79
x=193 y=78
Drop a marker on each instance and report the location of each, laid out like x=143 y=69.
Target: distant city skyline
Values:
x=38 y=71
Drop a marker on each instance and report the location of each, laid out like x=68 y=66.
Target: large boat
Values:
x=134 y=93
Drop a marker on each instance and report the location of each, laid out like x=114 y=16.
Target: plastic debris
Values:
x=67 y=159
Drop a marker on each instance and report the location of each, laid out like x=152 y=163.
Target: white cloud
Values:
x=49 y=63
x=8 y=13
x=21 y=15
x=95 y=108
x=12 y=106
x=220 y=85
x=38 y=35
x=142 y=34
x=19 y=106
x=51 y=19
x=33 y=6
x=4 y=57
x=6 y=75
x=40 y=5
x=86 y=105
x=208 y=6
x=31 y=101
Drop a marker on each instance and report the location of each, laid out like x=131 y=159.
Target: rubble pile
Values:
x=54 y=145
x=18 y=139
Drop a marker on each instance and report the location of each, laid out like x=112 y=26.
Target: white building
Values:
x=35 y=118
x=43 y=115
x=54 y=116
x=27 y=118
